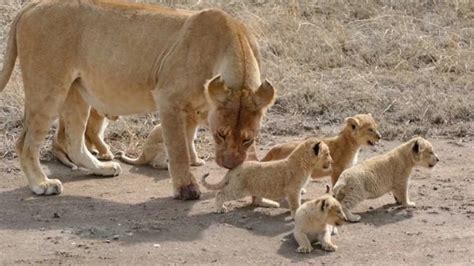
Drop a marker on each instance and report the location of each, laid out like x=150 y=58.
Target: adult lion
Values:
x=126 y=59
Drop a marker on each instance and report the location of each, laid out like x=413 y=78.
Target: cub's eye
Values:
x=221 y=135
x=371 y=130
x=247 y=141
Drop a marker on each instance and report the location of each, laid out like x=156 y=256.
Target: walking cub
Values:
x=314 y=220
x=382 y=174
x=273 y=180
x=358 y=131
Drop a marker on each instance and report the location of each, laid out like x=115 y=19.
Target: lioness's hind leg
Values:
x=75 y=116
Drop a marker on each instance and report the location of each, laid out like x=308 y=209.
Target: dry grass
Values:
x=409 y=63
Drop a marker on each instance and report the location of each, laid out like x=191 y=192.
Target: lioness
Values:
x=385 y=173
x=358 y=131
x=315 y=219
x=154 y=150
x=127 y=59
x=94 y=138
x=274 y=179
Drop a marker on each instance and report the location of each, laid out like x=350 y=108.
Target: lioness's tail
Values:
x=141 y=160
x=217 y=186
x=11 y=52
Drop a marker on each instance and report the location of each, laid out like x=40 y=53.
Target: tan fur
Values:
x=154 y=150
x=385 y=173
x=94 y=138
x=125 y=59
x=358 y=131
x=314 y=220
x=273 y=180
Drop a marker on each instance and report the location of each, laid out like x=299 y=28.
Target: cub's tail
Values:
x=217 y=186
x=11 y=52
x=141 y=160
x=339 y=190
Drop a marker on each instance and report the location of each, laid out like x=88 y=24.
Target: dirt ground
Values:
x=131 y=219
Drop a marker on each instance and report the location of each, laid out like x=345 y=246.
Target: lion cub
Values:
x=154 y=149
x=382 y=174
x=314 y=220
x=94 y=138
x=274 y=179
x=358 y=131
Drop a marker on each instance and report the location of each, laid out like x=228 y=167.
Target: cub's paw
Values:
x=409 y=204
x=198 y=162
x=108 y=169
x=329 y=247
x=303 y=191
x=302 y=249
x=48 y=187
x=354 y=218
x=221 y=210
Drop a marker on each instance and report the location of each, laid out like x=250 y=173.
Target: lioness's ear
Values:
x=264 y=95
x=316 y=148
x=327 y=189
x=353 y=122
x=323 y=205
x=216 y=90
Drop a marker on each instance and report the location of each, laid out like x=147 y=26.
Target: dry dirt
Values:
x=131 y=219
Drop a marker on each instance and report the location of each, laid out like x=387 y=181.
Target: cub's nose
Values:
x=379 y=136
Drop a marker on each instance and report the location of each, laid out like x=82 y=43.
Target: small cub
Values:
x=359 y=130
x=274 y=179
x=315 y=219
x=382 y=174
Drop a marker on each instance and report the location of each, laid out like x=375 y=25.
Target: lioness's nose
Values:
x=231 y=162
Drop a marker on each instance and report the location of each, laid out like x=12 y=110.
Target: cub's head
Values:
x=234 y=118
x=315 y=152
x=423 y=153
x=364 y=129
x=332 y=210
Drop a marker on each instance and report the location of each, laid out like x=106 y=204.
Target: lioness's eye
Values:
x=371 y=129
x=221 y=135
x=247 y=141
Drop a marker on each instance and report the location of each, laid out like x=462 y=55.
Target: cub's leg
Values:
x=227 y=195
x=175 y=138
x=400 y=192
x=96 y=125
x=294 y=201
x=191 y=130
x=259 y=201
x=75 y=116
x=304 y=245
x=325 y=239
x=42 y=102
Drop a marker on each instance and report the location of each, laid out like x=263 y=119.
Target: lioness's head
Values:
x=423 y=153
x=234 y=118
x=364 y=129
x=332 y=210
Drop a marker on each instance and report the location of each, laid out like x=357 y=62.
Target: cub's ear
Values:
x=216 y=91
x=328 y=189
x=316 y=148
x=323 y=205
x=416 y=147
x=353 y=122
x=264 y=96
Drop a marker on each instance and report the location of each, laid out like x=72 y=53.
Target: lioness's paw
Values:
x=221 y=210
x=109 y=169
x=189 y=192
x=329 y=247
x=106 y=156
x=198 y=162
x=302 y=249
x=48 y=187
x=409 y=204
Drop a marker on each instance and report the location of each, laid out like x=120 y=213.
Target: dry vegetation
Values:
x=409 y=63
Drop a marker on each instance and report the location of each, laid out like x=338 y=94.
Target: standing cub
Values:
x=382 y=174
x=275 y=179
x=358 y=131
x=314 y=221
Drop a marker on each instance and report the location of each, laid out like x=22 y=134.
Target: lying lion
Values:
x=359 y=130
x=273 y=180
x=94 y=139
x=154 y=150
x=382 y=174
x=314 y=220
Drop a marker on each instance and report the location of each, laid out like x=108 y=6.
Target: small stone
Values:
x=56 y=215
x=435 y=188
x=107 y=241
x=115 y=237
x=156 y=245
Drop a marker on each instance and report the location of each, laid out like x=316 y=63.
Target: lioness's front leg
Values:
x=174 y=135
x=191 y=128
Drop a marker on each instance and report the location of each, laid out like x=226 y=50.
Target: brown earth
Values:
x=131 y=219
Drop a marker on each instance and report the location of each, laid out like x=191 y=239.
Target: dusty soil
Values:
x=131 y=219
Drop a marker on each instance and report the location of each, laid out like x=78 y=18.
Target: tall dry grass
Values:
x=409 y=63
